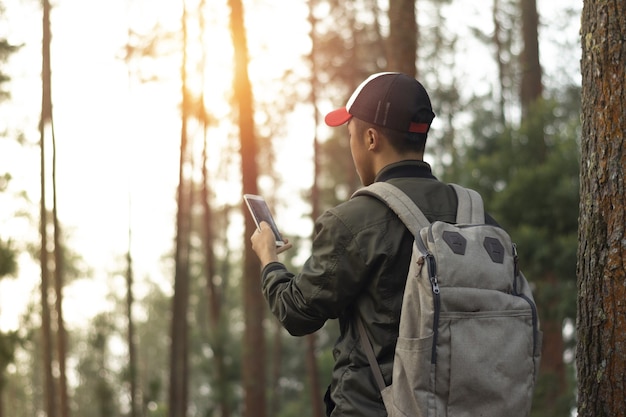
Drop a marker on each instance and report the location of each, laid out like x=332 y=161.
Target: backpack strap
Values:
x=414 y=220
x=399 y=202
x=470 y=208
x=369 y=352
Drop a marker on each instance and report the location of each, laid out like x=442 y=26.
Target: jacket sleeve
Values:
x=328 y=282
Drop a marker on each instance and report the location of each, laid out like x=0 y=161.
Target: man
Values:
x=361 y=250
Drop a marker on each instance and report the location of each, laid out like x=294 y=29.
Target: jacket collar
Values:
x=403 y=169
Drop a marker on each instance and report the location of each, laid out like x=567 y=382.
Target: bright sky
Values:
x=118 y=138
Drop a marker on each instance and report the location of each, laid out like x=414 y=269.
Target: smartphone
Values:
x=261 y=213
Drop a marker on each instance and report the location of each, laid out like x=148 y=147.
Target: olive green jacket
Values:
x=358 y=266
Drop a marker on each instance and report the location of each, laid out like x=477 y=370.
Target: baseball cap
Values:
x=388 y=99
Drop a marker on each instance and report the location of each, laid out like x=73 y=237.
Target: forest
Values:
x=129 y=131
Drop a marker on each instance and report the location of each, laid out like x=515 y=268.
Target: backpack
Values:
x=469 y=342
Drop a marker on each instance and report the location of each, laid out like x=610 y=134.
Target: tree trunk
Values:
x=214 y=299
x=497 y=40
x=277 y=355
x=553 y=367
x=135 y=405
x=46 y=119
x=253 y=361
x=58 y=287
x=531 y=86
x=179 y=362
x=601 y=323
x=402 y=41
x=311 y=339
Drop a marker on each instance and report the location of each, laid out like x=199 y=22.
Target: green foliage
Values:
x=9 y=341
x=6 y=49
x=529 y=180
x=528 y=176
x=8 y=262
x=96 y=393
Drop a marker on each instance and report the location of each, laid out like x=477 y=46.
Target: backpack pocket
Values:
x=491 y=363
x=410 y=393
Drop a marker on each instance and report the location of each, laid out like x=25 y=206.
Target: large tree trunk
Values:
x=46 y=119
x=179 y=362
x=601 y=323
x=253 y=361
x=402 y=41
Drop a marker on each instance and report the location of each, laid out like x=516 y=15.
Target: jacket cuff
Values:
x=272 y=266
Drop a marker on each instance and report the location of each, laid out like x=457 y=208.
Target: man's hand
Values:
x=264 y=245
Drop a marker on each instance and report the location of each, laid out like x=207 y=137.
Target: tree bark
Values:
x=253 y=361
x=601 y=322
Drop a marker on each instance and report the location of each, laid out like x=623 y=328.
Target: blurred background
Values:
x=141 y=123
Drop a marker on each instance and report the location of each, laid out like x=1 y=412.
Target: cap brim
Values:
x=337 y=117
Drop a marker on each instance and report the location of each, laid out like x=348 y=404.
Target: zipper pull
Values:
x=515 y=260
x=432 y=272
x=435 y=284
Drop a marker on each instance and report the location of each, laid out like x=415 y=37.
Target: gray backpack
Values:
x=469 y=342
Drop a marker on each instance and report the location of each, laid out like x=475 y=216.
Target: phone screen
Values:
x=261 y=212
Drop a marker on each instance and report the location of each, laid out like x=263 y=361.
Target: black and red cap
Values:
x=388 y=99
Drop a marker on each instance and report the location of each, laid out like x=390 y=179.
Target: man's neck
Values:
x=384 y=160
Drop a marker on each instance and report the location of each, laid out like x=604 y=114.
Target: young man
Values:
x=361 y=250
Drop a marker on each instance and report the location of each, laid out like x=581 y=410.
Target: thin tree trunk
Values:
x=531 y=86
x=601 y=322
x=277 y=354
x=253 y=362
x=402 y=42
x=311 y=359
x=553 y=367
x=58 y=281
x=213 y=293
x=179 y=362
x=46 y=117
x=497 y=34
x=132 y=348
x=136 y=408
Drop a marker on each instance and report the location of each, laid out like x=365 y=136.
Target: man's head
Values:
x=391 y=113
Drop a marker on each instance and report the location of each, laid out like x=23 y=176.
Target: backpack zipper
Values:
x=431 y=263
x=533 y=307
x=432 y=272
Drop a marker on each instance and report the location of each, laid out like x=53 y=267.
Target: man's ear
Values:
x=373 y=139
